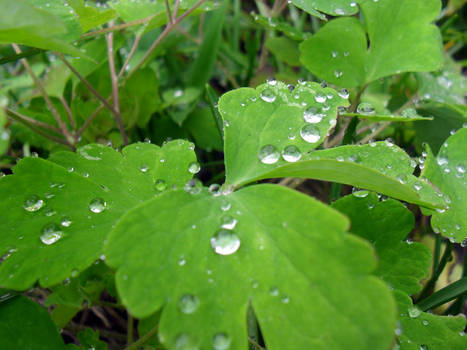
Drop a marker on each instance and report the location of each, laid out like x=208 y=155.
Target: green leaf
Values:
x=281 y=26
x=284 y=49
x=4 y=134
x=21 y=23
x=72 y=202
x=402 y=264
x=26 y=325
x=89 y=16
x=333 y=7
x=287 y=256
x=253 y=125
x=89 y=339
x=400 y=35
x=446 y=118
x=272 y=115
x=421 y=330
x=139 y=97
x=201 y=69
x=409 y=115
x=444 y=295
x=448 y=172
x=202 y=126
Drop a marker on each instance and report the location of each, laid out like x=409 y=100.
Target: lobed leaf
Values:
x=204 y=258
x=448 y=172
x=401 y=39
x=333 y=7
x=386 y=224
x=56 y=214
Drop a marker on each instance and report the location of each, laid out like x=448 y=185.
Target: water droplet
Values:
x=310 y=133
x=160 y=185
x=417 y=186
x=272 y=81
x=193 y=186
x=365 y=109
x=285 y=299
x=291 y=154
x=460 y=169
x=344 y=93
x=51 y=233
x=425 y=322
x=414 y=312
x=312 y=115
x=188 y=303
x=274 y=291
x=33 y=203
x=215 y=190
x=144 y=168
x=185 y=342
x=228 y=222
x=225 y=242
x=225 y=206
x=50 y=212
x=409 y=113
x=268 y=96
x=359 y=193
x=97 y=205
x=221 y=341
x=268 y=154
x=320 y=98
x=338 y=73
x=334 y=54
x=402 y=178
x=194 y=168
x=442 y=161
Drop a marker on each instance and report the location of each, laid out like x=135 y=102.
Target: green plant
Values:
x=122 y=217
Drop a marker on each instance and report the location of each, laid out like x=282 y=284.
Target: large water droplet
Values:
x=188 y=303
x=291 y=154
x=97 y=205
x=268 y=154
x=312 y=115
x=33 y=203
x=268 y=96
x=310 y=133
x=365 y=108
x=320 y=98
x=51 y=233
x=225 y=242
x=221 y=341
x=194 y=168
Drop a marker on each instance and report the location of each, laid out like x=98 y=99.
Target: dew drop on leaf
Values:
x=268 y=154
x=320 y=98
x=194 y=168
x=184 y=342
x=160 y=185
x=228 y=222
x=274 y=291
x=66 y=221
x=268 y=96
x=344 y=93
x=365 y=108
x=310 y=133
x=225 y=242
x=188 y=303
x=291 y=154
x=285 y=299
x=193 y=186
x=97 y=205
x=51 y=233
x=414 y=312
x=312 y=115
x=144 y=168
x=33 y=203
x=215 y=190
x=221 y=341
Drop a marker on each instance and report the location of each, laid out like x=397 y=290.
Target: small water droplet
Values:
x=160 y=185
x=268 y=95
x=310 y=133
x=365 y=108
x=320 y=98
x=51 y=233
x=417 y=186
x=193 y=186
x=65 y=222
x=344 y=93
x=359 y=193
x=285 y=299
x=215 y=190
x=97 y=205
x=225 y=206
x=334 y=54
x=33 y=203
x=194 y=168
x=274 y=291
x=225 y=242
x=338 y=73
x=185 y=342
x=144 y=168
x=268 y=154
x=291 y=154
x=50 y=212
x=442 y=161
x=409 y=113
x=221 y=341
x=425 y=322
x=414 y=311
x=181 y=260
x=228 y=222
x=188 y=303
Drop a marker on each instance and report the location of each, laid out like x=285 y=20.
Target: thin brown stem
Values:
x=113 y=75
x=116 y=114
x=175 y=11
x=165 y=32
x=47 y=100
x=252 y=341
x=130 y=55
x=375 y=133
x=68 y=112
x=169 y=12
x=37 y=123
x=118 y=27
x=88 y=121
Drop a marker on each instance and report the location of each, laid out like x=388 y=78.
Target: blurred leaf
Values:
x=203 y=128
x=90 y=16
x=400 y=36
x=333 y=7
x=26 y=325
x=280 y=26
x=284 y=49
x=89 y=339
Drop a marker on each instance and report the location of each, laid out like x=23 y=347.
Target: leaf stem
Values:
x=68 y=112
x=47 y=100
x=37 y=123
x=130 y=55
x=254 y=343
x=116 y=114
x=444 y=295
x=141 y=341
